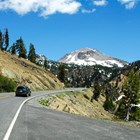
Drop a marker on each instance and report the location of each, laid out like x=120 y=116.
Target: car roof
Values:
x=22 y=87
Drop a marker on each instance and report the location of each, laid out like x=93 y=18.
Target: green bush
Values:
x=7 y=84
x=44 y=102
x=135 y=115
x=108 y=104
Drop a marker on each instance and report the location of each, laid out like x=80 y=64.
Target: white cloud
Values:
x=49 y=7
x=129 y=4
x=45 y=7
x=100 y=2
x=88 y=11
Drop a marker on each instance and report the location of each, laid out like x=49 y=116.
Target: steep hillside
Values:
x=27 y=73
x=78 y=103
x=123 y=74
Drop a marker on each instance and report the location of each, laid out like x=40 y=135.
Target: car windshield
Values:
x=21 y=88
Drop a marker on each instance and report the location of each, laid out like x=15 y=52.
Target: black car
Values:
x=23 y=91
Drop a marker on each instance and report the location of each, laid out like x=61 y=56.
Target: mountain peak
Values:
x=87 y=49
x=91 y=56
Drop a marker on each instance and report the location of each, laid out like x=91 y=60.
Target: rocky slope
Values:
x=88 y=56
x=78 y=103
x=27 y=73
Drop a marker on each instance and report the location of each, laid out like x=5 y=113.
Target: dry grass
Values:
x=26 y=73
x=79 y=103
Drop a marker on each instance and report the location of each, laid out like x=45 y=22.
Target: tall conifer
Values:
x=131 y=90
x=6 y=40
x=32 y=54
x=1 y=40
x=13 y=49
x=20 y=46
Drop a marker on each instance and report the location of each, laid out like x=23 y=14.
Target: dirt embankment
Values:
x=26 y=73
x=78 y=103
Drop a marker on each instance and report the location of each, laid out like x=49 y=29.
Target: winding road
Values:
x=39 y=123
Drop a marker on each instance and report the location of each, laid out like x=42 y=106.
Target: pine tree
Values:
x=21 y=48
x=6 y=39
x=13 y=49
x=46 y=64
x=108 y=104
x=131 y=90
x=32 y=54
x=87 y=81
x=1 y=40
x=61 y=73
x=97 y=91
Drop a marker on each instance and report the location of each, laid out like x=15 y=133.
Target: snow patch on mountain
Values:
x=88 y=56
x=40 y=59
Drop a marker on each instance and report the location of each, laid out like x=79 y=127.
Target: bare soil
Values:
x=26 y=73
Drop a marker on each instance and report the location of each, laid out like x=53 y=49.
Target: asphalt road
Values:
x=37 y=123
x=9 y=105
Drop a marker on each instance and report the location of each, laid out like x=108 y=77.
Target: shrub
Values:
x=108 y=104
x=7 y=84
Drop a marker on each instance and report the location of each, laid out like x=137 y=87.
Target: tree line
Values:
x=122 y=101
x=17 y=48
x=122 y=96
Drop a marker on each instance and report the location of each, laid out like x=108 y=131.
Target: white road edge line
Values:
x=9 y=130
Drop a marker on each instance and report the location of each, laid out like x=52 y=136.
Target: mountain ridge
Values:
x=90 y=56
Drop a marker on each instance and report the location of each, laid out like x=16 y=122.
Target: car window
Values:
x=21 y=88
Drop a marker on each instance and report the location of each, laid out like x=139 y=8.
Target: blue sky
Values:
x=57 y=27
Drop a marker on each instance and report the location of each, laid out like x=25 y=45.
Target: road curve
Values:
x=9 y=104
x=36 y=123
